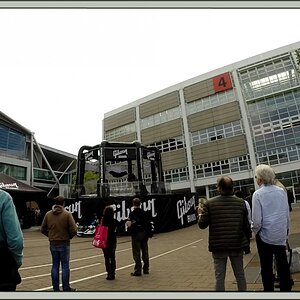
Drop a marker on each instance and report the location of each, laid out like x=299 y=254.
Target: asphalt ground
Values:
x=180 y=268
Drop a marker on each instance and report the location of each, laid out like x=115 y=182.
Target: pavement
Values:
x=180 y=267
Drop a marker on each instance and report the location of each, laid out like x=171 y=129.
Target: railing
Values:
x=95 y=189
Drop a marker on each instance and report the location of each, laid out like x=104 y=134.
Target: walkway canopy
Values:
x=21 y=191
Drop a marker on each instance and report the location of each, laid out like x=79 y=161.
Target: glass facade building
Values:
x=23 y=159
x=226 y=121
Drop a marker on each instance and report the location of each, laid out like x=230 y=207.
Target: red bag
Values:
x=100 y=237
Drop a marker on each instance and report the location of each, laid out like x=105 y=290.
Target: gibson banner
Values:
x=168 y=212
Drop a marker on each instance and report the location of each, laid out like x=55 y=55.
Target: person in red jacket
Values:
x=60 y=227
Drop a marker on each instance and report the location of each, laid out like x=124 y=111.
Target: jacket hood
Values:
x=57 y=209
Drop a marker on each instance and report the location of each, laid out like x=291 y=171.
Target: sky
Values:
x=61 y=70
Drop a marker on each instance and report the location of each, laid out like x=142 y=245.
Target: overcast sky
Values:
x=62 y=69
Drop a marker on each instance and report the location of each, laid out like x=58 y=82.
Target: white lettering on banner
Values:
x=9 y=185
x=75 y=207
x=120 y=153
x=191 y=218
x=183 y=206
x=149 y=205
x=122 y=212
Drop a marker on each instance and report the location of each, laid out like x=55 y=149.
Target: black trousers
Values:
x=139 y=242
x=110 y=259
x=266 y=254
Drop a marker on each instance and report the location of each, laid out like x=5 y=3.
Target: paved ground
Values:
x=180 y=262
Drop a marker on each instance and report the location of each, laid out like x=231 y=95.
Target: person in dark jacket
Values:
x=291 y=198
x=249 y=197
x=59 y=226
x=138 y=224
x=227 y=218
x=110 y=251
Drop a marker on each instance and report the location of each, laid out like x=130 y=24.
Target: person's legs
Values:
x=55 y=267
x=113 y=260
x=236 y=260
x=220 y=261
x=136 y=252
x=145 y=254
x=65 y=265
x=110 y=264
x=265 y=253
x=283 y=269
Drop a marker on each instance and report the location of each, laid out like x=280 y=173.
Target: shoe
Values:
x=135 y=274
x=146 y=272
x=70 y=290
x=110 y=278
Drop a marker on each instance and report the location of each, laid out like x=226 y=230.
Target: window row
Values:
x=161 y=117
x=170 y=144
x=12 y=141
x=210 y=101
x=279 y=156
x=217 y=132
x=13 y=171
x=176 y=175
x=226 y=166
x=120 y=131
x=269 y=78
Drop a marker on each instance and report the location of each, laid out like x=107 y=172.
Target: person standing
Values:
x=249 y=197
x=226 y=217
x=138 y=224
x=110 y=251
x=11 y=244
x=291 y=198
x=59 y=226
x=271 y=219
x=240 y=195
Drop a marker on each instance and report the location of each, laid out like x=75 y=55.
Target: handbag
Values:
x=100 y=237
x=293 y=256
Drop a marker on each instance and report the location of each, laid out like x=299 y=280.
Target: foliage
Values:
x=88 y=176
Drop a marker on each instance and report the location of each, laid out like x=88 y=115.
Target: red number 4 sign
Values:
x=222 y=82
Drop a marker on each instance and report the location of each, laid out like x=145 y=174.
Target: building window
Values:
x=216 y=133
x=269 y=77
x=170 y=144
x=161 y=117
x=210 y=101
x=222 y=167
x=12 y=142
x=16 y=172
x=120 y=131
x=176 y=175
x=276 y=127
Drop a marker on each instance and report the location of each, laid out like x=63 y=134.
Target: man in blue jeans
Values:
x=59 y=226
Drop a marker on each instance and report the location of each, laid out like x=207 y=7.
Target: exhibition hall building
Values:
x=224 y=122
